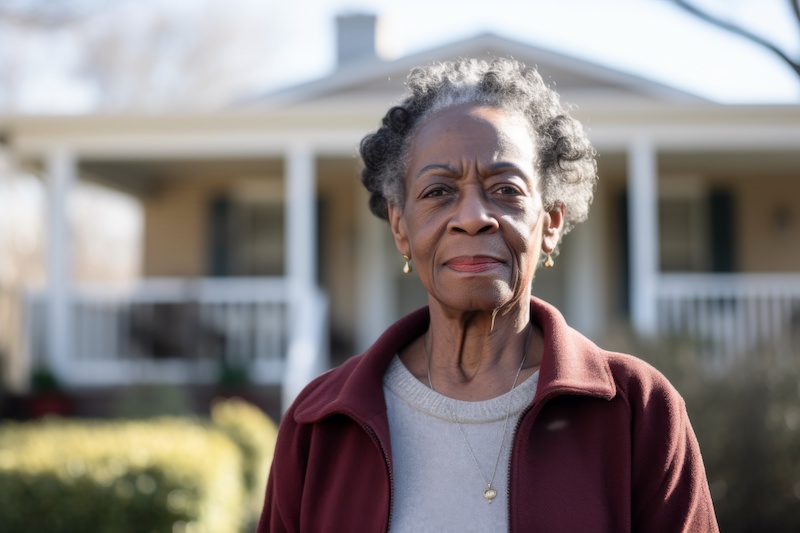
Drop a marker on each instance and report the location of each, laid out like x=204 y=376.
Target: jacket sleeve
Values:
x=281 y=512
x=670 y=489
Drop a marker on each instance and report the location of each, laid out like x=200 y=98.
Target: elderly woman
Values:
x=485 y=411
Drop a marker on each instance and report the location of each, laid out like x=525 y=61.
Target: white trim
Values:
x=181 y=144
x=697 y=137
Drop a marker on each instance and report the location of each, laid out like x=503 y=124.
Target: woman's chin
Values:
x=476 y=297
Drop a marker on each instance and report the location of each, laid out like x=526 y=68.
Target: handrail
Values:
x=692 y=284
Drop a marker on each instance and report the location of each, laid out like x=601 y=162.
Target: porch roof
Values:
x=337 y=131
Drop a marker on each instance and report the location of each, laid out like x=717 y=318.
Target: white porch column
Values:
x=586 y=282
x=301 y=218
x=61 y=172
x=376 y=298
x=301 y=268
x=643 y=237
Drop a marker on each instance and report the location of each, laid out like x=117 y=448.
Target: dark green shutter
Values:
x=723 y=230
x=219 y=235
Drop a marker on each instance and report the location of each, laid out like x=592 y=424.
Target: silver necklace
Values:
x=490 y=492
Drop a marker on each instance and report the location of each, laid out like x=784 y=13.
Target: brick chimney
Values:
x=356 y=38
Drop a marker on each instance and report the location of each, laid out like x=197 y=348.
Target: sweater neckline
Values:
x=400 y=381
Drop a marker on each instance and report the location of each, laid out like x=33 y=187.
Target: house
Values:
x=259 y=248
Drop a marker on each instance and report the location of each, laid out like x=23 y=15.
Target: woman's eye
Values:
x=435 y=193
x=508 y=190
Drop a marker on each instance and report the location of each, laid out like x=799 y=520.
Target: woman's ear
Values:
x=399 y=231
x=552 y=227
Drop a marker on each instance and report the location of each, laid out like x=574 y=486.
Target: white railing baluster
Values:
x=751 y=317
x=786 y=324
x=97 y=332
x=692 y=316
x=777 y=317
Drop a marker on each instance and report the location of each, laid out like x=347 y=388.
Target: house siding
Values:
x=769 y=223
x=175 y=228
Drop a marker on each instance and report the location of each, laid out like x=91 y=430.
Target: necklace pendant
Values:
x=489 y=493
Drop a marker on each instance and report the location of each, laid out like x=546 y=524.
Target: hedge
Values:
x=255 y=435
x=169 y=475
x=746 y=415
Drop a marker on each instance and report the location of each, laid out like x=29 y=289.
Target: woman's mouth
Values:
x=477 y=263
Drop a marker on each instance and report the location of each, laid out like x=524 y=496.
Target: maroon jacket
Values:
x=605 y=446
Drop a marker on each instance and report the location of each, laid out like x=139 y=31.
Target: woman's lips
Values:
x=477 y=263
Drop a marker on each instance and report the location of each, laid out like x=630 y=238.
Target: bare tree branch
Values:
x=738 y=30
x=178 y=59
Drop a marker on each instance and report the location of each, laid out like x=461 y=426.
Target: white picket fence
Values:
x=732 y=316
x=174 y=330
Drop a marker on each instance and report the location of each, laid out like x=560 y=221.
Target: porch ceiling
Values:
x=733 y=164
x=141 y=177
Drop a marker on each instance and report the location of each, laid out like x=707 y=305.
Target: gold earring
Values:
x=548 y=261
x=407 y=267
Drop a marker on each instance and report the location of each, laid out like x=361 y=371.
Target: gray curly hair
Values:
x=566 y=158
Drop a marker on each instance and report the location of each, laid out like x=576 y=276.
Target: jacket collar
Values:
x=571 y=364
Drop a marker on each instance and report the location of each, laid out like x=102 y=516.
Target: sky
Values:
x=647 y=37
x=281 y=43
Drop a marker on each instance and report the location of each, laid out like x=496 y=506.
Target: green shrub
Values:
x=254 y=433
x=163 y=475
x=748 y=425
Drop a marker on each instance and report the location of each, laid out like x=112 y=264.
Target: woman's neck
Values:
x=475 y=356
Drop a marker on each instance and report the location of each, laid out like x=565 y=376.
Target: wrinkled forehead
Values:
x=476 y=130
x=474 y=107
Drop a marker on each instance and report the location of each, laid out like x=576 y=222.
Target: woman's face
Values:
x=473 y=220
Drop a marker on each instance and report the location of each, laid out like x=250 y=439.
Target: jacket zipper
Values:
x=375 y=438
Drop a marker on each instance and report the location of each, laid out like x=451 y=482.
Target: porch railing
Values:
x=173 y=331
x=732 y=316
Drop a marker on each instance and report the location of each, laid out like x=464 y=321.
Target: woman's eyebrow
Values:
x=435 y=166
x=496 y=167
x=503 y=165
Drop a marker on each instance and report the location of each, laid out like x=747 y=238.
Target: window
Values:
x=696 y=227
x=247 y=231
x=682 y=226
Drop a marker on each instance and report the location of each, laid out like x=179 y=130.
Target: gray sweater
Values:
x=437 y=486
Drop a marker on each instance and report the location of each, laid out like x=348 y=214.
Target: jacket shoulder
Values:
x=639 y=381
x=356 y=387
x=322 y=392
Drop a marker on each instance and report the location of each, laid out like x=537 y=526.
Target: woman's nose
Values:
x=472 y=214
